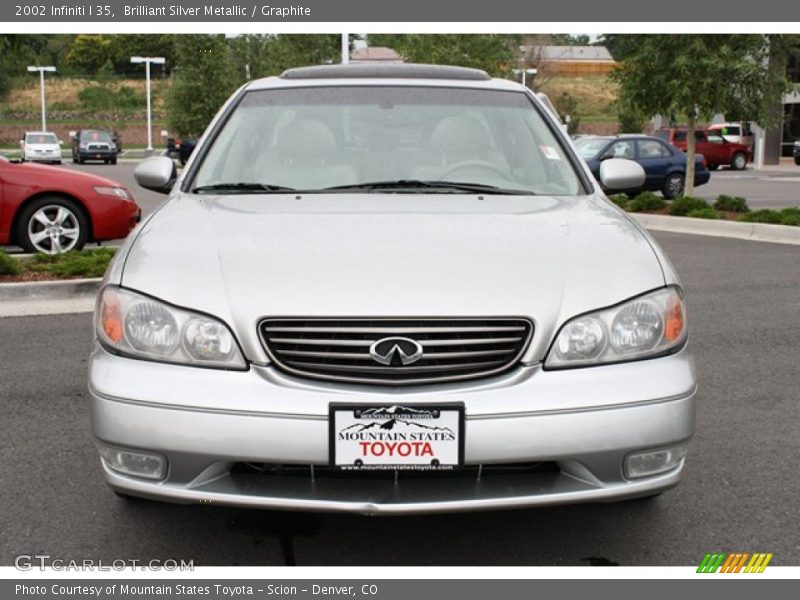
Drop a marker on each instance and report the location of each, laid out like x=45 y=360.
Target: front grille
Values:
x=97 y=147
x=339 y=349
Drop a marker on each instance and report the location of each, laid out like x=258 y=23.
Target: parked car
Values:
x=94 y=144
x=181 y=148
x=390 y=289
x=797 y=152
x=715 y=148
x=738 y=133
x=664 y=165
x=41 y=146
x=53 y=210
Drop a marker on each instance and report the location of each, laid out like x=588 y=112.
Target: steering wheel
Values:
x=466 y=164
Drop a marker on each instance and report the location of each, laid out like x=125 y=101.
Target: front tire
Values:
x=797 y=160
x=739 y=161
x=673 y=186
x=52 y=225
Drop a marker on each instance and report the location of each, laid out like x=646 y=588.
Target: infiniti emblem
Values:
x=395 y=351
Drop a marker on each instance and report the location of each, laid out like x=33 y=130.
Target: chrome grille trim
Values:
x=337 y=349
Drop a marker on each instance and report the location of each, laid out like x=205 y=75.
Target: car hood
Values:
x=51 y=147
x=62 y=176
x=246 y=257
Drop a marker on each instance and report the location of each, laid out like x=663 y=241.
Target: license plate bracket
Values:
x=376 y=437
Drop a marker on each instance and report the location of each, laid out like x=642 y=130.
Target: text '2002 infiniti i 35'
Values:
x=390 y=289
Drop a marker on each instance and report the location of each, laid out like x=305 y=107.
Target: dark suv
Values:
x=796 y=152
x=94 y=144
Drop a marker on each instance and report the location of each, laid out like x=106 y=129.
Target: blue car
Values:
x=664 y=165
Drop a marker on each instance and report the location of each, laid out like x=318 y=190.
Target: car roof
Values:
x=394 y=71
x=386 y=75
x=39 y=133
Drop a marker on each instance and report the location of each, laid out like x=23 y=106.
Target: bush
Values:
x=646 y=201
x=620 y=200
x=790 y=220
x=766 y=215
x=86 y=263
x=681 y=207
x=8 y=264
x=731 y=203
x=99 y=98
x=703 y=213
x=790 y=216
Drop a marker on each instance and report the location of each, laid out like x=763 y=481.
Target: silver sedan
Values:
x=390 y=289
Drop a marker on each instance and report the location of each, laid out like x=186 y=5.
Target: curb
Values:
x=50 y=290
x=754 y=232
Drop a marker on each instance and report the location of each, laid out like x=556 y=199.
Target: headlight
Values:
x=139 y=326
x=650 y=325
x=107 y=190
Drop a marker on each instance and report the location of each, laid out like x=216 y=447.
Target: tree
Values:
x=699 y=76
x=495 y=54
x=272 y=54
x=202 y=81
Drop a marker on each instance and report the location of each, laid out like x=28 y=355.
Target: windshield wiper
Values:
x=417 y=184
x=242 y=187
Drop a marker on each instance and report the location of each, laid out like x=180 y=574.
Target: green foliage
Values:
x=703 y=213
x=202 y=82
x=272 y=54
x=8 y=264
x=646 y=201
x=786 y=216
x=494 y=53
x=766 y=215
x=102 y=98
x=681 y=207
x=89 y=52
x=86 y=263
x=620 y=200
x=700 y=75
x=731 y=203
x=630 y=119
x=567 y=106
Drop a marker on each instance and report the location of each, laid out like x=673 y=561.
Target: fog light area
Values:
x=653 y=462
x=133 y=462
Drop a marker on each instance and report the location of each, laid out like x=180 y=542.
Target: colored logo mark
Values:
x=734 y=562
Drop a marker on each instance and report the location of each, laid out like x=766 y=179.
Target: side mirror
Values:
x=621 y=174
x=156 y=173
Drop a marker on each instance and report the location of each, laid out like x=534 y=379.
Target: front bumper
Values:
x=582 y=421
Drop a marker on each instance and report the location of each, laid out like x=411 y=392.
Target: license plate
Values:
x=395 y=436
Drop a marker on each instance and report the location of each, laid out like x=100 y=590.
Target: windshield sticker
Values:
x=549 y=152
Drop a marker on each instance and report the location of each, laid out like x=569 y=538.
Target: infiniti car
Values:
x=390 y=289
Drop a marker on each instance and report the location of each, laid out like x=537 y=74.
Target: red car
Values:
x=53 y=210
x=714 y=148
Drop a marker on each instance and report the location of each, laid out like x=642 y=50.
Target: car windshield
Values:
x=41 y=138
x=95 y=136
x=384 y=139
x=588 y=148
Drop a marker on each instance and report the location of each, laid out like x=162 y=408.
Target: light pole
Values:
x=42 y=70
x=345 y=48
x=525 y=72
x=148 y=60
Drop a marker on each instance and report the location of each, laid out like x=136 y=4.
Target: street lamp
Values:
x=148 y=60
x=524 y=72
x=41 y=70
x=345 y=48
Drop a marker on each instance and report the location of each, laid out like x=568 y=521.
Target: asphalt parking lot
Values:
x=768 y=188
x=741 y=491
